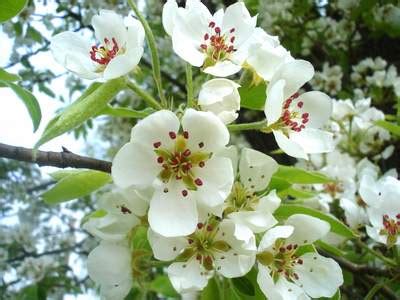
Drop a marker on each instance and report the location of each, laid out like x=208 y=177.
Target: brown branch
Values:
x=54 y=159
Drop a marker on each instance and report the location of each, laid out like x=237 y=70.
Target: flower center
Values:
x=217 y=45
x=203 y=244
x=179 y=163
x=241 y=199
x=333 y=188
x=104 y=53
x=281 y=261
x=391 y=229
x=293 y=117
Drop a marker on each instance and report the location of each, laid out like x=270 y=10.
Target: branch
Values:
x=55 y=159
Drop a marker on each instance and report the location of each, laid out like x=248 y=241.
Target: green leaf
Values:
x=211 y=291
x=253 y=97
x=34 y=34
x=243 y=285
x=126 y=112
x=286 y=210
x=30 y=292
x=90 y=104
x=94 y=214
x=76 y=185
x=329 y=248
x=162 y=285
x=4 y=75
x=30 y=102
x=305 y=249
x=139 y=240
x=11 y=8
x=301 y=176
x=296 y=193
x=58 y=175
x=278 y=184
x=391 y=127
x=337 y=296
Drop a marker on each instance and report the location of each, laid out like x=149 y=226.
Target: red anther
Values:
x=300 y=261
x=178 y=177
x=174 y=161
x=217 y=30
x=209 y=228
x=295 y=95
x=211 y=24
x=288 y=122
x=125 y=210
x=165 y=190
x=198 y=256
x=212 y=38
x=172 y=135
x=280 y=270
x=160 y=160
x=294 y=124
x=295 y=276
x=287 y=273
x=232 y=39
x=300 y=104
x=295 y=246
x=186 y=134
x=289 y=247
x=230 y=49
x=198 y=182
x=190 y=241
x=201 y=164
x=304 y=121
x=206 y=36
x=186 y=152
x=201 y=144
x=106 y=40
x=203 y=46
x=184 y=193
x=302 y=126
x=200 y=225
x=305 y=115
x=386 y=216
x=232 y=30
x=157 y=144
x=282 y=249
x=398 y=216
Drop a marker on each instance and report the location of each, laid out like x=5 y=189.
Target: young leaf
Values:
x=11 y=8
x=329 y=248
x=76 y=185
x=162 y=285
x=92 y=104
x=29 y=100
x=391 y=127
x=4 y=75
x=253 y=97
x=297 y=175
x=211 y=291
x=286 y=210
x=243 y=285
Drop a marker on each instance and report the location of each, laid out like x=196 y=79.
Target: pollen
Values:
x=105 y=53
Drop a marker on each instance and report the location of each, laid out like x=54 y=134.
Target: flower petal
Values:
x=313 y=140
x=223 y=68
x=187 y=276
x=109 y=264
x=318 y=105
x=272 y=235
x=289 y=146
x=123 y=64
x=319 y=276
x=256 y=169
x=274 y=103
x=107 y=25
x=217 y=178
x=231 y=264
x=269 y=203
x=135 y=200
x=134 y=164
x=116 y=292
x=166 y=248
x=156 y=128
x=257 y=221
x=168 y=15
x=295 y=73
x=205 y=128
x=307 y=229
x=171 y=214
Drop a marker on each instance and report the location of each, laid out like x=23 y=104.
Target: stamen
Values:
x=172 y=135
x=184 y=193
x=157 y=144
x=198 y=182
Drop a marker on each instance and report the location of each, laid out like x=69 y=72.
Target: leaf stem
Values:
x=144 y=95
x=248 y=126
x=154 y=53
x=386 y=260
x=189 y=85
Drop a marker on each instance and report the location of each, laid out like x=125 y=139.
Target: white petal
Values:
x=257 y=221
x=256 y=169
x=166 y=248
x=239 y=237
x=134 y=164
x=318 y=105
x=274 y=104
x=231 y=264
x=307 y=229
x=269 y=203
x=228 y=117
x=206 y=128
x=135 y=34
x=373 y=233
x=168 y=15
x=313 y=140
x=231 y=152
x=156 y=128
x=296 y=73
x=187 y=276
x=272 y=235
x=218 y=90
x=109 y=264
x=289 y=146
x=223 y=69
x=136 y=200
x=217 y=178
x=72 y=51
x=107 y=25
x=113 y=292
x=318 y=275
x=171 y=214
x=123 y=64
